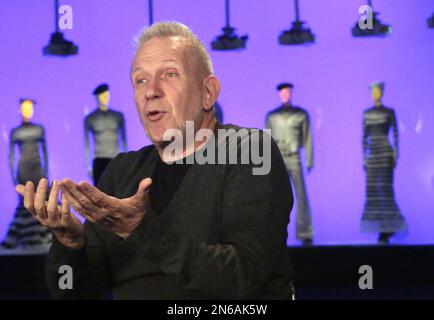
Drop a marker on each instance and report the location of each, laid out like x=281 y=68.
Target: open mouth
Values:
x=155 y=115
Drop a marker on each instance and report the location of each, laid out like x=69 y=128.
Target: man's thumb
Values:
x=144 y=186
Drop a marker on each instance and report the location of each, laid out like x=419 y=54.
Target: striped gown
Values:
x=381 y=213
x=25 y=232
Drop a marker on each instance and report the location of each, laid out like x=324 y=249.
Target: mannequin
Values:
x=290 y=127
x=24 y=231
x=381 y=213
x=107 y=128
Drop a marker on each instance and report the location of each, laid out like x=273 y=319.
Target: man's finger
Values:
x=29 y=198
x=52 y=203
x=84 y=202
x=99 y=198
x=142 y=190
x=41 y=194
x=21 y=189
x=64 y=211
x=73 y=202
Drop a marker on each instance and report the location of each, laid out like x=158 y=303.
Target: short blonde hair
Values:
x=164 y=29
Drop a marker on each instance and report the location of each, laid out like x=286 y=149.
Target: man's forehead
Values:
x=167 y=49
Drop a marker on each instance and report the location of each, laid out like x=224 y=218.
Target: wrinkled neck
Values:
x=210 y=124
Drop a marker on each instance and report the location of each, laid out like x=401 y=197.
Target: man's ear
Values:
x=211 y=91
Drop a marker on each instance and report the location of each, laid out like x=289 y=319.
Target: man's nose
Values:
x=153 y=90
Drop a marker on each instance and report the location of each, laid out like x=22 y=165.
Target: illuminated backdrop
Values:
x=331 y=81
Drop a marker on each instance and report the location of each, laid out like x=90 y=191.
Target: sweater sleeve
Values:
x=89 y=275
x=89 y=266
x=254 y=216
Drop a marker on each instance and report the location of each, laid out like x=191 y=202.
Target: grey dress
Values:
x=381 y=213
x=25 y=230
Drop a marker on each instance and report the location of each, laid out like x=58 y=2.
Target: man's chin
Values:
x=157 y=136
x=158 y=140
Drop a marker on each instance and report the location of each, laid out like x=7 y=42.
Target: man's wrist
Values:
x=76 y=243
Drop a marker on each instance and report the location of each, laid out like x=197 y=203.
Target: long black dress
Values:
x=381 y=213
x=25 y=230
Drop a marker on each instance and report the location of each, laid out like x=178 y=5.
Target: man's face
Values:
x=167 y=86
x=285 y=95
x=103 y=98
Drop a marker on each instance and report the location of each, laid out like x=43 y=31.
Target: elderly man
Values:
x=156 y=230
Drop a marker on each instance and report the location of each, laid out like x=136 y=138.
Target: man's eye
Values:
x=171 y=74
x=140 y=81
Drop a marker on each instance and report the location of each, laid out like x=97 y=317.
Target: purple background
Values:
x=330 y=78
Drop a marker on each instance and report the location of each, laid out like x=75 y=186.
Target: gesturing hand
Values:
x=64 y=225
x=121 y=216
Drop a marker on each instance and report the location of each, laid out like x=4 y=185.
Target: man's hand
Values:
x=68 y=230
x=120 y=216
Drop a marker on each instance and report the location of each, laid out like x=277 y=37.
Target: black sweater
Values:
x=221 y=235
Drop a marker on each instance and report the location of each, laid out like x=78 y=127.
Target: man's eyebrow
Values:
x=175 y=61
x=136 y=69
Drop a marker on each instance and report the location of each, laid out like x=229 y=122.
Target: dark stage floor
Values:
x=321 y=272
x=332 y=272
